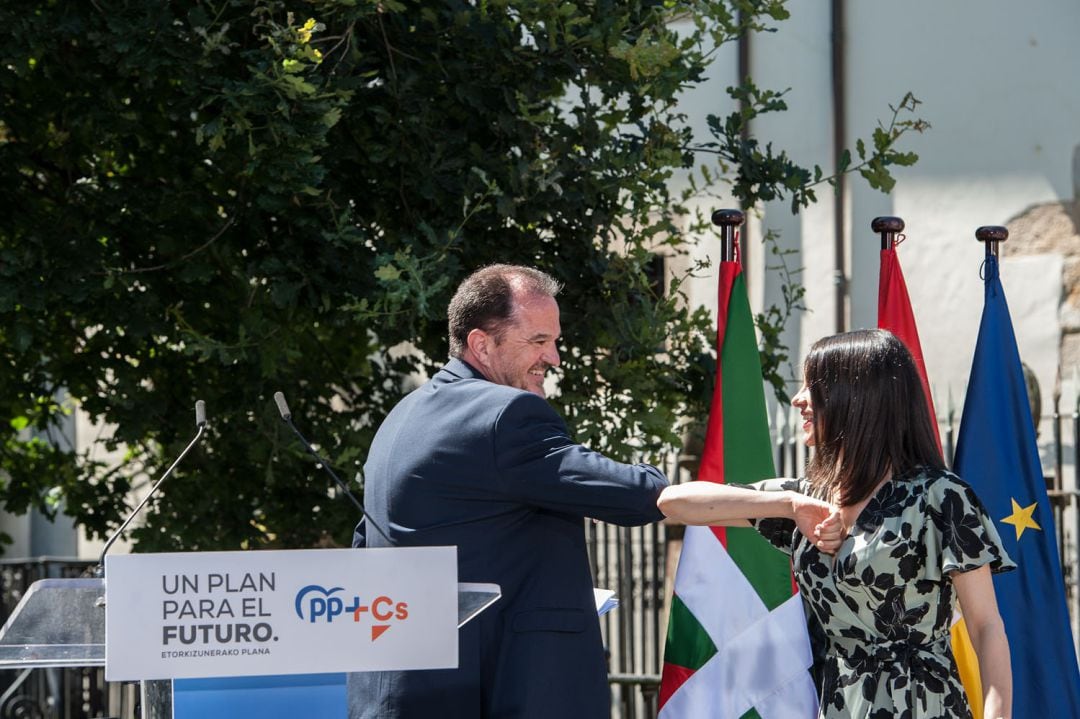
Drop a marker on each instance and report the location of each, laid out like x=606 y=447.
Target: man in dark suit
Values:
x=478 y=459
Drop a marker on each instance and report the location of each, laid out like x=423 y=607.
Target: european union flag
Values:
x=997 y=455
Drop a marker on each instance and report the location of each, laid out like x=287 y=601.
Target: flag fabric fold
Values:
x=737 y=644
x=896 y=315
x=998 y=456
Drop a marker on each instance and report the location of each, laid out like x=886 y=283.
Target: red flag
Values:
x=894 y=314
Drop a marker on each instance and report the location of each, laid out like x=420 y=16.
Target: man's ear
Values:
x=479 y=343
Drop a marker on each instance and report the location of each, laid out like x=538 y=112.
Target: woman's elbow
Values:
x=989 y=628
x=666 y=503
x=673 y=503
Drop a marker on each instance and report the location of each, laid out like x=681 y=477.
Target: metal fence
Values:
x=1059 y=439
x=632 y=561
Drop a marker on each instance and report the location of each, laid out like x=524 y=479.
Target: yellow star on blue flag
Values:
x=1021 y=518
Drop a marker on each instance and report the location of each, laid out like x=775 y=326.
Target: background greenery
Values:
x=218 y=200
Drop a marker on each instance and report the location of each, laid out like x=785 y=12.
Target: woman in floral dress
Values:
x=908 y=536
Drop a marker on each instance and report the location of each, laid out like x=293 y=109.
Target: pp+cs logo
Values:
x=315 y=603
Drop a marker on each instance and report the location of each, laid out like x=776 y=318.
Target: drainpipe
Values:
x=743 y=46
x=839 y=113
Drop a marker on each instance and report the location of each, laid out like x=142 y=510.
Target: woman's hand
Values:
x=831 y=533
x=818 y=521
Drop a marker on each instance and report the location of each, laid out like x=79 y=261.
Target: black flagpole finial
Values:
x=728 y=221
x=992 y=235
x=888 y=228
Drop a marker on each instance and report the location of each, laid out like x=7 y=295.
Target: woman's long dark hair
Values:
x=870 y=414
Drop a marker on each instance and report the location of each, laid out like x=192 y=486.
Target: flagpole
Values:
x=888 y=228
x=992 y=236
x=728 y=221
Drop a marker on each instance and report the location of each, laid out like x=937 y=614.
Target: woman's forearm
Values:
x=992 y=649
x=701 y=503
x=975 y=590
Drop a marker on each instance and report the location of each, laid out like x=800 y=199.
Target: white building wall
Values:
x=998 y=84
x=997 y=81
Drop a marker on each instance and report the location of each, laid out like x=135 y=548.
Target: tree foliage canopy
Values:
x=218 y=200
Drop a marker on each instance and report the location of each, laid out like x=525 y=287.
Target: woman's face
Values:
x=801 y=402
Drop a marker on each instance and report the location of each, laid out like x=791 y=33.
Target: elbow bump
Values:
x=666 y=504
x=663 y=505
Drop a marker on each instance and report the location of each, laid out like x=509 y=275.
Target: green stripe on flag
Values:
x=688 y=644
x=748 y=447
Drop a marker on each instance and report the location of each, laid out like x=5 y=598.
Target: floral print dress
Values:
x=880 y=610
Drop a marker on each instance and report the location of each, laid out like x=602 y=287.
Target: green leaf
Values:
x=388 y=273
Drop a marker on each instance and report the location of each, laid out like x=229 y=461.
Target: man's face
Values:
x=527 y=347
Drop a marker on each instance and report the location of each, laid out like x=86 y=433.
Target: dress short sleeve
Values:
x=778 y=531
x=967 y=534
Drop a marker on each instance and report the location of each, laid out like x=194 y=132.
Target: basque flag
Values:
x=737 y=643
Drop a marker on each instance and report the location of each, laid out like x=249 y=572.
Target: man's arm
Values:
x=541 y=465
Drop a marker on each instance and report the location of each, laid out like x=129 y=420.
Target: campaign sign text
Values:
x=213 y=614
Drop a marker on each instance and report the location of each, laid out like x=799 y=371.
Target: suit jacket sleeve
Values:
x=539 y=464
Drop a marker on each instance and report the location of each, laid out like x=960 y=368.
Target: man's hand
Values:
x=818 y=521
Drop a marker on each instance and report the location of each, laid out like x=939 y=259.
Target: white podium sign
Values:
x=306 y=611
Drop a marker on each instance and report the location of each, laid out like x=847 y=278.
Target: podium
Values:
x=62 y=623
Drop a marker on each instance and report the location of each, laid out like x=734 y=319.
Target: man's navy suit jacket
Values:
x=491 y=469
